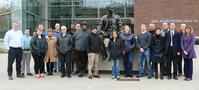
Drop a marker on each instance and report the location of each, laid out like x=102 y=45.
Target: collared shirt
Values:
x=26 y=42
x=13 y=38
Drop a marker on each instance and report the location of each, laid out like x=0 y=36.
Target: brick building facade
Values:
x=158 y=11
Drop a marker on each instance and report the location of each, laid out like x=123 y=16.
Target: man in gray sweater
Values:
x=143 y=43
x=80 y=44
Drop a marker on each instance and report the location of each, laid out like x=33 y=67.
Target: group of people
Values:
x=62 y=49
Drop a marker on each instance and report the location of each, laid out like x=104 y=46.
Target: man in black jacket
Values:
x=172 y=45
x=64 y=44
x=94 y=48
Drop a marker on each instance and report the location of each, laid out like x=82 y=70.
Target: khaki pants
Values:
x=25 y=63
x=93 y=59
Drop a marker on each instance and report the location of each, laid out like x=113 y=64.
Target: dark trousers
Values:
x=49 y=66
x=179 y=64
x=171 y=58
x=72 y=55
x=39 y=62
x=188 y=67
x=65 y=63
x=161 y=62
x=14 y=53
x=81 y=60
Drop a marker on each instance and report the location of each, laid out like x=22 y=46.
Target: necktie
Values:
x=171 y=33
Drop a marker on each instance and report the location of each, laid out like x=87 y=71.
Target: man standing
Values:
x=94 y=48
x=25 y=63
x=80 y=43
x=13 y=42
x=164 y=29
x=172 y=40
x=64 y=44
x=143 y=42
x=57 y=34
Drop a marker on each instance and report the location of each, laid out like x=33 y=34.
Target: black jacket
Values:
x=64 y=43
x=176 y=42
x=115 y=48
x=94 y=44
x=35 y=44
x=158 y=46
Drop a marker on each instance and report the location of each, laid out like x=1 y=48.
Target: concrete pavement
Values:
x=104 y=83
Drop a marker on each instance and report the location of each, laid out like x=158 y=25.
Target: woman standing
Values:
x=51 y=54
x=129 y=44
x=115 y=49
x=187 y=45
x=39 y=47
x=158 y=46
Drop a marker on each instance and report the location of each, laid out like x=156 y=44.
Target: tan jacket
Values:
x=51 y=53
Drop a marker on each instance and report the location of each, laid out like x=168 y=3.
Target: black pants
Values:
x=14 y=53
x=161 y=62
x=81 y=60
x=39 y=63
x=72 y=55
x=172 y=58
x=188 y=67
x=179 y=64
x=65 y=63
x=49 y=66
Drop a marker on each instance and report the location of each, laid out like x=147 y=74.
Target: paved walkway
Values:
x=104 y=83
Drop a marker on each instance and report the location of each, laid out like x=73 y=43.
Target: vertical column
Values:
x=16 y=11
x=45 y=14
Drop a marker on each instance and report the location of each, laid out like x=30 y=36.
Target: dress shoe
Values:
x=29 y=74
x=68 y=75
x=62 y=76
x=10 y=78
x=169 y=77
x=175 y=78
x=90 y=77
x=96 y=76
x=20 y=76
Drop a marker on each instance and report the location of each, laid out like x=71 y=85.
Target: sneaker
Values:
x=113 y=77
x=118 y=77
x=37 y=76
x=41 y=75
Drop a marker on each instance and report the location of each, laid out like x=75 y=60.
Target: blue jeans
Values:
x=115 y=67
x=128 y=62
x=141 y=56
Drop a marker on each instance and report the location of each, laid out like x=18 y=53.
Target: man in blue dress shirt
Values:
x=13 y=42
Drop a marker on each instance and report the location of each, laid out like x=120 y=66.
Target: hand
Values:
x=178 y=53
x=185 y=52
x=89 y=54
x=141 y=49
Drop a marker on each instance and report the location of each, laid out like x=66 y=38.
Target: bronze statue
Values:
x=109 y=23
